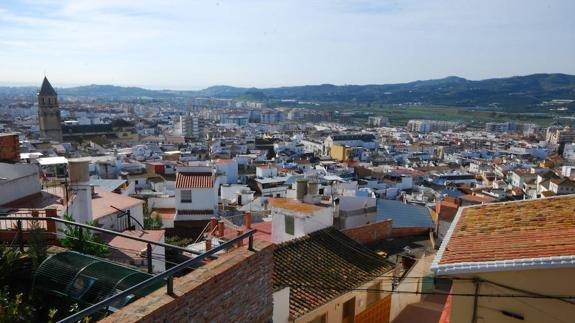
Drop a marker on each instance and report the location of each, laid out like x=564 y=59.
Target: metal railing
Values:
x=18 y=220
x=167 y=276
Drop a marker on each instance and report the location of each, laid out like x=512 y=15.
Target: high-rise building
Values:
x=191 y=126
x=49 y=112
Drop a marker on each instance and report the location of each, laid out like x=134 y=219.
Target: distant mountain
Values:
x=112 y=91
x=455 y=91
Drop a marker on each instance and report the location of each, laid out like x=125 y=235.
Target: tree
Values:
x=83 y=240
x=152 y=221
x=38 y=248
x=14 y=309
x=10 y=263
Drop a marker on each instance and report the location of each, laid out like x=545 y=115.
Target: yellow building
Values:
x=340 y=152
x=511 y=262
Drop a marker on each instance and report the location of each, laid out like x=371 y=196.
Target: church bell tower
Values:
x=49 y=112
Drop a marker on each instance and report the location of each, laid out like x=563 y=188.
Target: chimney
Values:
x=81 y=208
x=336 y=207
x=221 y=227
x=240 y=242
x=248 y=220
x=213 y=225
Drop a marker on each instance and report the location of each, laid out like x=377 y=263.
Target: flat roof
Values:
x=271 y=180
x=45 y=161
x=293 y=205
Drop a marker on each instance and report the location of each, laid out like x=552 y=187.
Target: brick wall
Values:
x=9 y=147
x=403 y=232
x=236 y=287
x=370 y=233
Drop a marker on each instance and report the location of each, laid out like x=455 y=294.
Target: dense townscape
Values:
x=135 y=209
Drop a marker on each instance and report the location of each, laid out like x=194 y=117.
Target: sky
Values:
x=188 y=44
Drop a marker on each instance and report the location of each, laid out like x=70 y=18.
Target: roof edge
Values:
x=504 y=265
x=443 y=247
x=436 y=267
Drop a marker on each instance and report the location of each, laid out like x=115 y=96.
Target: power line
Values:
x=559 y=297
x=536 y=308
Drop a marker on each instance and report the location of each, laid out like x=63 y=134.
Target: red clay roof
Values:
x=478 y=198
x=513 y=230
x=194 y=180
x=134 y=247
x=105 y=203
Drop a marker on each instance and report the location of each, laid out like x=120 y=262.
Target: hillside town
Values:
x=287 y=213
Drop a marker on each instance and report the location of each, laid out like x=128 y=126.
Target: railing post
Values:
x=20 y=235
x=170 y=285
x=129 y=219
x=51 y=224
x=149 y=256
x=251 y=243
x=81 y=238
x=240 y=242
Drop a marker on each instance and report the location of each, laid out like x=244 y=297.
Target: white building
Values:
x=190 y=126
x=292 y=219
x=354 y=211
x=18 y=181
x=196 y=192
x=228 y=169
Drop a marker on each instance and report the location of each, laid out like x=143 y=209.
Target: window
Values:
x=289 y=224
x=348 y=313
x=186 y=196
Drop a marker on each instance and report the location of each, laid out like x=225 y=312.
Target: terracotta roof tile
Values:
x=194 y=180
x=323 y=258
x=513 y=230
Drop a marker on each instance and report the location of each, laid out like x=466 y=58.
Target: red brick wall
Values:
x=236 y=287
x=9 y=147
x=370 y=233
x=403 y=232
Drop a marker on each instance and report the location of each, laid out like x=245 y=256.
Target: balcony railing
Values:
x=20 y=224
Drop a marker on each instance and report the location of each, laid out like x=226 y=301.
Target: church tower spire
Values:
x=49 y=112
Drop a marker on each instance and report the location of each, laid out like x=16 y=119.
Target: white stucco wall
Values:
x=202 y=199
x=17 y=188
x=281 y=306
x=303 y=223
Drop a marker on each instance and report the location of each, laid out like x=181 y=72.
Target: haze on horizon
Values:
x=196 y=44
